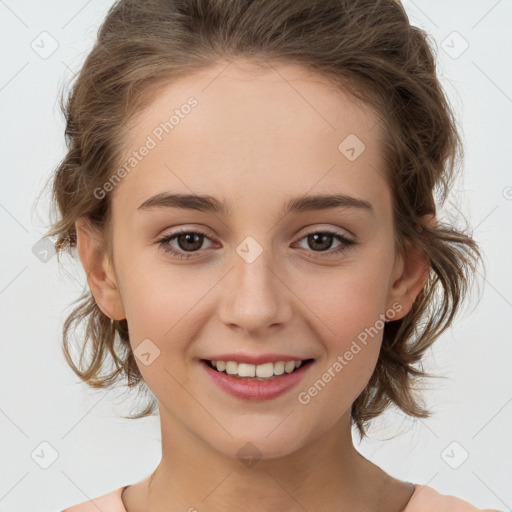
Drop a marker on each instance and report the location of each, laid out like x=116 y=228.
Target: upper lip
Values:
x=256 y=359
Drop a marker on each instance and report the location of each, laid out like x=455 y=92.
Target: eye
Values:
x=190 y=241
x=322 y=240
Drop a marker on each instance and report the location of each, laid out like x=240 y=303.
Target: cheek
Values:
x=350 y=329
x=348 y=299
x=349 y=307
x=165 y=304
x=160 y=309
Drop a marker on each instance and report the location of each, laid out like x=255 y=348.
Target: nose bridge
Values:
x=256 y=297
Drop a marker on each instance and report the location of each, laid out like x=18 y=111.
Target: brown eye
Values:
x=186 y=241
x=190 y=241
x=321 y=241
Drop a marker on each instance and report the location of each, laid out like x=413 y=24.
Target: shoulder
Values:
x=427 y=499
x=110 y=502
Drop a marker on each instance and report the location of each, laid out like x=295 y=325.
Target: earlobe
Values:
x=100 y=277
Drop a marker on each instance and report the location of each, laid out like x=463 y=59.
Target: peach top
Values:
x=424 y=499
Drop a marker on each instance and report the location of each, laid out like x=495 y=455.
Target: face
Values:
x=254 y=278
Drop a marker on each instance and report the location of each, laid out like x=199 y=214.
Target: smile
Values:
x=243 y=382
x=258 y=372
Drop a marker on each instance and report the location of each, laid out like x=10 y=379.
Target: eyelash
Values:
x=346 y=242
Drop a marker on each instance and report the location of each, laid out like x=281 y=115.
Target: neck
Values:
x=324 y=475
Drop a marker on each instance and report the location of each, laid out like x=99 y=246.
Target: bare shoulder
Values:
x=426 y=499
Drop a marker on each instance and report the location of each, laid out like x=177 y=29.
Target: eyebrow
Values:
x=206 y=203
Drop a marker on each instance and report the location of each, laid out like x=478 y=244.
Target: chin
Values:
x=253 y=444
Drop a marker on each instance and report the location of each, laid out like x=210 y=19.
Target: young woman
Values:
x=251 y=189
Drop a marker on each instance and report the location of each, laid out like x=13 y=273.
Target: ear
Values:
x=100 y=275
x=410 y=274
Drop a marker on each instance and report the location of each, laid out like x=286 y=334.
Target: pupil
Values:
x=186 y=239
x=321 y=235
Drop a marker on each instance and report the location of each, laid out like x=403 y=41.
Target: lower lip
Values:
x=253 y=389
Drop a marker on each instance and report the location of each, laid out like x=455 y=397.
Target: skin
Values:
x=256 y=139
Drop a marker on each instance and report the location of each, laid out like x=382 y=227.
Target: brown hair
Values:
x=366 y=47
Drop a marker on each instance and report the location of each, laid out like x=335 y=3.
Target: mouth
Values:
x=260 y=382
x=258 y=373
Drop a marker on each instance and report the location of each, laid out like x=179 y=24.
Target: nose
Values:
x=255 y=297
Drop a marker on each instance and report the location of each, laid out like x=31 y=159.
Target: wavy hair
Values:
x=367 y=48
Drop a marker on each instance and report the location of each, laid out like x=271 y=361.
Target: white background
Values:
x=97 y=451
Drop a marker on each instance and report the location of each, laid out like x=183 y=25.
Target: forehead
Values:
x=282 y=130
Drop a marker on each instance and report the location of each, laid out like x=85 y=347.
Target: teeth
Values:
x=263 y=371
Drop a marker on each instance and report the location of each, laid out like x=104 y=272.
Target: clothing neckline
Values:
x=416 y=488
x=415 y=492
